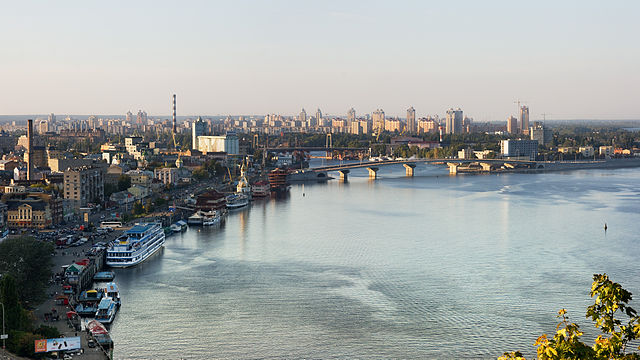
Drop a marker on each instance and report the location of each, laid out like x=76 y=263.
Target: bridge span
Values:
x=455 y=165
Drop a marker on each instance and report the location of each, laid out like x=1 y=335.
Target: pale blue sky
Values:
x=572 y=59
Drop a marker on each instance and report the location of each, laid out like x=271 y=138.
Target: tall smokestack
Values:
x=174 y=113
x=29 y=149
x=440 y=128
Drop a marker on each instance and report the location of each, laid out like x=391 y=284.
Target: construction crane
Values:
x=175 y=143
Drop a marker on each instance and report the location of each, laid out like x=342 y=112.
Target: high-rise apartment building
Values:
x=319 y=118
x=512 y=125
x=524 y=119
x=378 y=121
x=411 y=120
x=84 y=185
x=453 y=121
x=539 y=132
x=351 y=115
x=302 y=117
x=198 y=128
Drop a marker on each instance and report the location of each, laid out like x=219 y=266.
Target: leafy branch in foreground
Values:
x=610 y=301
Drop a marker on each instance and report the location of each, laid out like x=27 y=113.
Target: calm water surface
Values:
x=432 y=266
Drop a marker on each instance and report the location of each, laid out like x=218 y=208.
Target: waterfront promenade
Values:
x=66 y=257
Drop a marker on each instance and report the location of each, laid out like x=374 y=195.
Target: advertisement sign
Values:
x=60 y=344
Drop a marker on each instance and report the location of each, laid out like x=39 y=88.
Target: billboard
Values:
x=60 y=344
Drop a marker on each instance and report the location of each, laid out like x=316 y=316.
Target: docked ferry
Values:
x=237 y=201
x=135 y=245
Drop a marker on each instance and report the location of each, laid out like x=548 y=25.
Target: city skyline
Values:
x=570 y=60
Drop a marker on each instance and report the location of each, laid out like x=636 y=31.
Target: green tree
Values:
x=29 y=262
x=138 y=208
x=124 y=182
x=17 y=317
x=149 y=207
x=611 y=301
x=200 y=174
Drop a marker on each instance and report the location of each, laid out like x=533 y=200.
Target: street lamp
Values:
x=3 y=335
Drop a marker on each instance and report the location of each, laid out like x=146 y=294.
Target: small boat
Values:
x=237 y=201
x=210 y=218
x=179 y=226
x=111 y=290
x=104 y=276
x=90 y=296
x=195 y=219
x=106 y=310
x=100 y=334
x=86 y=309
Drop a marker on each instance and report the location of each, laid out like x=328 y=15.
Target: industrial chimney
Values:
x=30 y=149
x=440 y=128
x=174 y=113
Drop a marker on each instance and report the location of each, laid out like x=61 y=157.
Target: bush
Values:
x=611 y=300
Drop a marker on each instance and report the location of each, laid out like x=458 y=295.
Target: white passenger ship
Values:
x=135 y=245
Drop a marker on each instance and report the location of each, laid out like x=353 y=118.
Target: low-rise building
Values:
x=139 y=192
x=586 y=151
x=606 y=151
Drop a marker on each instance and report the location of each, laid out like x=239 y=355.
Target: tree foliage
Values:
x=124 y=182
x=29 y=262
x=611 y=302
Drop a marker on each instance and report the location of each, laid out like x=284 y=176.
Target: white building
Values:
x=197 y=129
x=519 y=149
x=606 y=151
x=229 y=144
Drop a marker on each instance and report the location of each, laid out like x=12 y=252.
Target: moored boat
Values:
x=179 y=226
x=210 y=218
x=135 y=245
x=237 y=201
x=261 y=189
x=107 y=309
x=104 y=276
x=86 y=309
x=278 y=180
x=195 y=219
x=90 y=296
x=100 y=334
x=111 y=290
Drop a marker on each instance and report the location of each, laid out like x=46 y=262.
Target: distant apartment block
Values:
x=527 y=149
x=539 y=132
x=453 y=121
x=512 y=125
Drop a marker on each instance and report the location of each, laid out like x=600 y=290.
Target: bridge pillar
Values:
x=453 y=168
x=343 y=175
x=373 y=172
x=409 y=168
x=485 y=166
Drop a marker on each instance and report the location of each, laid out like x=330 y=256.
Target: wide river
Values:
x=433 y=266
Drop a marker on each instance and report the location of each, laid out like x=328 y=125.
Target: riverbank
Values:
x=585 y=165
x=65 y=257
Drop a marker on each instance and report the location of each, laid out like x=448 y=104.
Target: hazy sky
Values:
x=571 y=59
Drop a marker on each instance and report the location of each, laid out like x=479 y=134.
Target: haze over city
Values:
x=574 y=60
